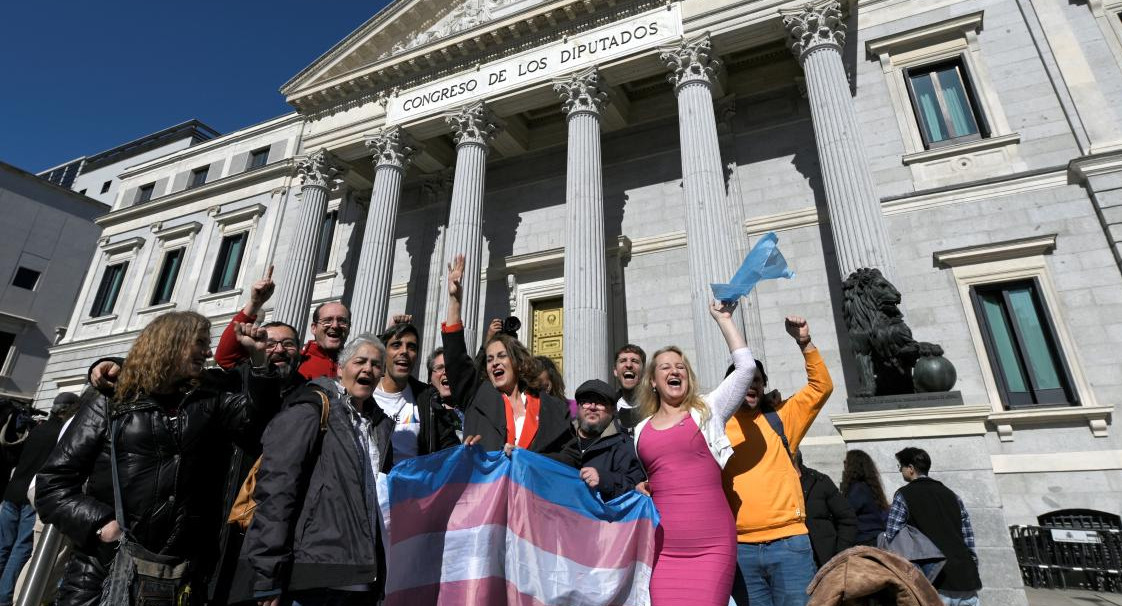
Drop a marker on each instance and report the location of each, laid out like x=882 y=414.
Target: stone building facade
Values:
x=601 y=162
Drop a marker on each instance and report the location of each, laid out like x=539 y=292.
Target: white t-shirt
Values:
x=402 y=408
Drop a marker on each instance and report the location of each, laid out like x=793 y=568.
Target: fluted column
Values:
x=586 y=271
x=817 y=35
x=711 y=246
x=393 y=151
x=318 y=175
x=473 y=126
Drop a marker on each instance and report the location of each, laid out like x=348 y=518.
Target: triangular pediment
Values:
x=403 y=26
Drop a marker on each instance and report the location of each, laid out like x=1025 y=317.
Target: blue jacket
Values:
x=871 y=519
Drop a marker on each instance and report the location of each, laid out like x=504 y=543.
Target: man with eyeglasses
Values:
x=599 y=446
x=331 y=323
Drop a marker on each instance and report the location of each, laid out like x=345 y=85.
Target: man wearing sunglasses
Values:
x=599 y=446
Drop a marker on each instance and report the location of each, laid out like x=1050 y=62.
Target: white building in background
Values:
x=600 y=162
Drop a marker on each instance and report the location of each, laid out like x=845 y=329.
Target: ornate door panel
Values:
x=547 y=330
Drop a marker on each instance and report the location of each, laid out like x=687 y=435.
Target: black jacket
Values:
x=312 y=527
x=935 y=511
x=36 y=449
x=829 y=518
x=438 y=424
x=612 y=455
x=485 y=410
x=871 y=519
x=170 y=453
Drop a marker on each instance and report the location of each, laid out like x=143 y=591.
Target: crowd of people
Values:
x=256 y=479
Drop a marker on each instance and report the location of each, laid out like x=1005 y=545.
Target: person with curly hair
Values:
x=682 y=445
x=506 y=407
x=171 y=430
x=862 y=488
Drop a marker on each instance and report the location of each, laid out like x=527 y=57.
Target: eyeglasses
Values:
x=593 y=405
x=341 y=322
x=287 y=344
x=438 y=368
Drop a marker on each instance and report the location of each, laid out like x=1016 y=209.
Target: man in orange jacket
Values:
x=774 y=558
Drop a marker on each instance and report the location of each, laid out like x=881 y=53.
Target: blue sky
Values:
x=82 y=76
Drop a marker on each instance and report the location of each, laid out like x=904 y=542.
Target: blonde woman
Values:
x=170 y=431
x=682 y=444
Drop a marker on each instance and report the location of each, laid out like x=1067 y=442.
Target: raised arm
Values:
x=455 y=291
x=462 y=377
x=727 y=397
x=229 y=352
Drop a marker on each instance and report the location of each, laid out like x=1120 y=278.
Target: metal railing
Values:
x=1069 y=558
x=40 y=566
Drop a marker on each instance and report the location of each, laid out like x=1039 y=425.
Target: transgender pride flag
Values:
x=469 y=527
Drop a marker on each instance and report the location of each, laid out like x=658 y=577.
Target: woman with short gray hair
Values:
x=314 y=538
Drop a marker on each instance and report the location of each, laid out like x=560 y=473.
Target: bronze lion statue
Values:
x=882 y=343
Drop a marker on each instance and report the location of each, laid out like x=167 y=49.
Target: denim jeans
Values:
x=775 y=573
x=949 y=601
x=17 y=525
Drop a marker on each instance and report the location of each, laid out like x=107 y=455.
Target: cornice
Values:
x=1095 y=165
x=531 y=27
x=951 y=28
x=937 y=421
x=284 y=167
x=246 y=133
x=996 y=251
x=128 y=244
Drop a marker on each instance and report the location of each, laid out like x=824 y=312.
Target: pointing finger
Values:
x=269 y=273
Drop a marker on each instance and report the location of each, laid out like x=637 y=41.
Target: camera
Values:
x=511 y=326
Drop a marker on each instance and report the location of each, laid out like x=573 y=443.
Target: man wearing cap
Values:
x=599 y=446
x=17 y=516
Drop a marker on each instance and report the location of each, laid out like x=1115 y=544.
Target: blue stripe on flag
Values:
x=560 y=484
x=420 y=477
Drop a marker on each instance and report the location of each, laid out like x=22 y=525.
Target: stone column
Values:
x=473 y=126
x=817 y=35
x=319 y=174
x=711 y=237
x=393 y=151
x=435 y=189
x=586 y=284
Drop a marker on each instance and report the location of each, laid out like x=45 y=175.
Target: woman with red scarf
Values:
x=507 y=408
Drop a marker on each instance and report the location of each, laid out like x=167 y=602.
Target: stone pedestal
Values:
x=319 y=175
x=586 y=267
x=955 y=437
x=902 y=401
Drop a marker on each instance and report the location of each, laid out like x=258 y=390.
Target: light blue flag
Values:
x=765 y=262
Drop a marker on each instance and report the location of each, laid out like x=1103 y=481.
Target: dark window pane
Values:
x=169 y=274
x=326 y=237
x=105 y=186
x=226 y=268
x=26 y=278
x=930 y=115
x=258 y=158
x=956 y=102
x=1022 y=345
x=144 y=194
x=198 y=177
x=1005 y=348
x=108 y=290
x=7 y=339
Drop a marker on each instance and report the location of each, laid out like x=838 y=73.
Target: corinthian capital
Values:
x=691 y=62
x=474 y=124
x=319 y=170
x=582 y=93
x=393 y=147
x=814 y=26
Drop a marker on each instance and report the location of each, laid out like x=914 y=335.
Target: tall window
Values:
x=945 y=104
x=144 y=193
x=107 y=291
x=326 y=236
x=105 y=186
x=198 y=177
x=1022 y=346
x=229 y=262
x=258 y=158
x=169 y=273
x=7 y=339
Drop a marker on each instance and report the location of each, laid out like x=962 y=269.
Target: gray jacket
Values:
x=914 y=546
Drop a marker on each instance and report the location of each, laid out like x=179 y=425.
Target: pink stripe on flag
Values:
x=482 y=592
x=451 y=507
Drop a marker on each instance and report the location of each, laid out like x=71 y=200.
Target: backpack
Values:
x=241 y=514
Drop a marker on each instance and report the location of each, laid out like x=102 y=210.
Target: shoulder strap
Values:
x=777 y=426
x=324 y=410
x=118 y=502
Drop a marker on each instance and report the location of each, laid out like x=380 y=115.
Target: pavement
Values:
x=1071 y=597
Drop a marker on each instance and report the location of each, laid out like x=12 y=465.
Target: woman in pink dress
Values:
x=682 y=445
